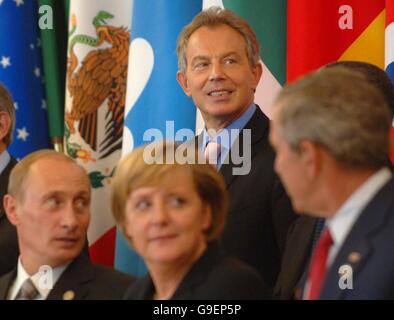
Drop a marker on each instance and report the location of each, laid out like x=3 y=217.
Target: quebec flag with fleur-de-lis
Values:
x=21 y=73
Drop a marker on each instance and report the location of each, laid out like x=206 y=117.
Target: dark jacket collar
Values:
x=372 y=219
x=79 y=272
x=259 y=126
x=195 y=276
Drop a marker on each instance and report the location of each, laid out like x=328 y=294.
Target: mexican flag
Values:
x=98 y=43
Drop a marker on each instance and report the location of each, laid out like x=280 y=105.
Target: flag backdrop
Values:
x=21 y=73
x=296 y=37
x=268 y=20
x=153 y=94
x=54 y=48
x=389 y=53
x=342 y=30
x=98 y=44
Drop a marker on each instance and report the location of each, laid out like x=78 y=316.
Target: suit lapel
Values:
x=258 y=124
x=358 y=245
x=198 y=272
x=5 y=284
x=71 y=284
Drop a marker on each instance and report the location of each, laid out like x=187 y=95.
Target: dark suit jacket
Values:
x=213 y=276
x=86 y=280
x=295 y=257
x=260 y=212
x=9 y=251
x=369 y=250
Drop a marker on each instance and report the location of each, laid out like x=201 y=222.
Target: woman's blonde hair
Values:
x=135 y=171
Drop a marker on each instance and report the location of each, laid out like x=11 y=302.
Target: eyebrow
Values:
x=201 y=57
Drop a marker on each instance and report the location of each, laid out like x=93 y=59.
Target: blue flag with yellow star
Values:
x=21 y=73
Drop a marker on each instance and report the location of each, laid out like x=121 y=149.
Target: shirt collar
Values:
x=342 y=222
x=22 y=276
x=224 y=136
x=4 y=160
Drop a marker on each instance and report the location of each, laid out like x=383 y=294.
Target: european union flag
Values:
x=153 y=94
x=21 y=73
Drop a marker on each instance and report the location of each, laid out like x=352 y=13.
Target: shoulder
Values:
x=91 y=282
x=112 y=278
x=223 y=277
x=5 y=283
x=141 y=289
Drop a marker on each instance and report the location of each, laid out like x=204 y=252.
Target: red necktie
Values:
x=317 y=271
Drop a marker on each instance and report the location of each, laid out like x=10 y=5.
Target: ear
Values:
x=10 y=207
x=257 y=72
x=5 y=124
x=206 y=221
x=310 y=155
x=182 y=80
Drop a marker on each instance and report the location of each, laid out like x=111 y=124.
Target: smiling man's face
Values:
x=218 y=76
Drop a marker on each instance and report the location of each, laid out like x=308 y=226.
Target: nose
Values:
x=217 y=72
x=160 y=213
x=69 y=218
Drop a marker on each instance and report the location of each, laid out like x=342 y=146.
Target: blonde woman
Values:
x=172 y=214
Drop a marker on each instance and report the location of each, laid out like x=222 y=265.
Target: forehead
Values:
x=177 y=177
x=54 y=172
x=216 y=38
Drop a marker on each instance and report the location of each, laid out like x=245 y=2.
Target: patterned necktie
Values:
x=318 y=266
x=212 y=152
x=28 y=291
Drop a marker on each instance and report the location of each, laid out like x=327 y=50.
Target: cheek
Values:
x=134 y=229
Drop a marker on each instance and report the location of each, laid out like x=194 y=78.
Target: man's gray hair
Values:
x=339 y=110
x=213 y=17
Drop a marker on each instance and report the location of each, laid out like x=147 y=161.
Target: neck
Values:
x=220 y=122
x=340 y=187
x=166 y=277
x=32 y=263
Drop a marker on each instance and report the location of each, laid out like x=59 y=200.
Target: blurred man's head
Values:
x=48 y=201
x=219 y=66
x=374 y=76
x=332 y=118
x=7 y=118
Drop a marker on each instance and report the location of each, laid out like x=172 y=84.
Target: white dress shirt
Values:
x=22 y=276
x=344 y=219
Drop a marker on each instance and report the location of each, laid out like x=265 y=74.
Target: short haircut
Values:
x=341 y=111
x=134 y=172
x=214 y=17
x=7 y=105
x=19 y=174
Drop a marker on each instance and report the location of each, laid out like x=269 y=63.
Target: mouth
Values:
x=162 y=238
x=220 y=93
x=67 y=241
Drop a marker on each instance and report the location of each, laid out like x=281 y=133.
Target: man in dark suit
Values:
x=219 y=67
x=8 y=242
x=48 y=201
x=305 y=232
x=331 y=131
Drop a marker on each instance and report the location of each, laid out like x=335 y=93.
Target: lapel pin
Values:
x=69 y=295
x=354 y=257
